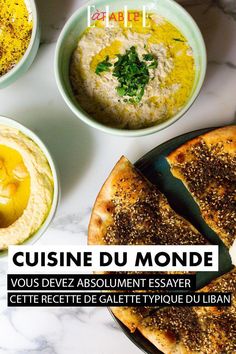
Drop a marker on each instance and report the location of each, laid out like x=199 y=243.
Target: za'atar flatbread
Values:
x=129 y=210
x=207 y=167
x=195 y=330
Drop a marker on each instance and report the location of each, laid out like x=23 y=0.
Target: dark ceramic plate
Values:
x=155 y=167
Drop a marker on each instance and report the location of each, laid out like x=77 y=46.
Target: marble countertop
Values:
x=85 y=157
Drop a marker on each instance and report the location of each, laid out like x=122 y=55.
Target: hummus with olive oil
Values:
x=26 y=187
x=102 y=57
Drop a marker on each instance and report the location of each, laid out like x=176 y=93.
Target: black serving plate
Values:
x=155 y=167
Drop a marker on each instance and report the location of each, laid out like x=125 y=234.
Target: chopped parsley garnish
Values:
x=178 y=40
x=103 y=66
x=148 y=57
x=131 y=73
x=153 y=65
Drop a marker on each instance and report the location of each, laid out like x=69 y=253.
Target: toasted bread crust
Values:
x=205 y=330
x=120 y=177
x=216 y=196
x=123 y=178
x=102 y=218
x=124 y=189
x=126 y=186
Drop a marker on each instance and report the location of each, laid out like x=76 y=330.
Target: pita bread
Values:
x=129 y=210
x=205 y=330
x=207 y=167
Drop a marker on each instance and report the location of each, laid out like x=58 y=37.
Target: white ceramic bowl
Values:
x=23 y=65
x=56 y=195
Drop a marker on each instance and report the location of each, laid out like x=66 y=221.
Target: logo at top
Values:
x=126 y=16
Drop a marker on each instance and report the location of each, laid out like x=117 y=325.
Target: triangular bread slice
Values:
x=194 y=330
x=207 y=167
x=129 y=210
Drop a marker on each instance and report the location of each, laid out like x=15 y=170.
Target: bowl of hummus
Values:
x=130 y=69
x=29 y=189
x=19 y=38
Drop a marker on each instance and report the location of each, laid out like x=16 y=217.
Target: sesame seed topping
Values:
x=149 y=221
x=210 y=175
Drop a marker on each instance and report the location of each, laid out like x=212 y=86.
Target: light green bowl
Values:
x=23 y=65
x=75 y=26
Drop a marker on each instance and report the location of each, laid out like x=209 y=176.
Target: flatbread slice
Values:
x=207 y=167
x=131 y=211
x=202 y=330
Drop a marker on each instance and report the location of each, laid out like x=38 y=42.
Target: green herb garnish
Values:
x=103 y=66
x=148 y=57
x=178 y=40
x=121 y=91
x=132 y=74
x=153 y=65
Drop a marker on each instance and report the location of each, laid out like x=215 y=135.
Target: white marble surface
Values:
x=85 y=157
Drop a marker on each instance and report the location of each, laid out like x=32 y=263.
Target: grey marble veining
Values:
x=228 y=6
x=227 y=63
x=73 y=223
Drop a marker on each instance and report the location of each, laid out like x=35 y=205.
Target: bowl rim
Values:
x=85 y=117
x=9 y=122
x=21 y=62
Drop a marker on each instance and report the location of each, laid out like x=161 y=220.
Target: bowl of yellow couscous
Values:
x=19 y=38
